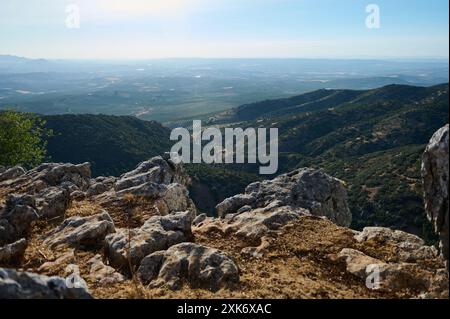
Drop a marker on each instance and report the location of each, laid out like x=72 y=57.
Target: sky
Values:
x=145 y=29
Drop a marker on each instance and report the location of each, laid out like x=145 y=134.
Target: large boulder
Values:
x=158 y=179
x=157 y=170
x=158 y=233
x=306 y=188
x=200 y=266
x=435 y=185
x=25 y=285
x=81 y=231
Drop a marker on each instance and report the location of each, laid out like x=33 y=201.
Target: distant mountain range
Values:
x=175 y=90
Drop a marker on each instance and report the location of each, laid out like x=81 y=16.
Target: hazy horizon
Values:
x=230 y=29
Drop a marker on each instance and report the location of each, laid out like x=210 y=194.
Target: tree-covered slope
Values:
x=113 y=144
x=371 y=139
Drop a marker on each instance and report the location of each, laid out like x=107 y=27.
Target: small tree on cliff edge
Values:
x=22 y=139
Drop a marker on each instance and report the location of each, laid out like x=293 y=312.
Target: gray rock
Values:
x=200 y=266
x=25 y=285
x=157 y=233
x=56 y=174
x=78 y=195
x=102 y=274
x=384 y=276
x=158 y=179
x=100 y=185
x=409 y=247
x=357 y=262
x=254 y=224
x=435 y=184
x=234 y=204
x=12 y=173
x=81 y=231
x=52 y=202
x=199 y=219
x=150 y=190
x=305 y=188
x=16 y=217
x=12 y=254
x=157 y=170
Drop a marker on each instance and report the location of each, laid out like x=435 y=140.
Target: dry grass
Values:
x=299 y=263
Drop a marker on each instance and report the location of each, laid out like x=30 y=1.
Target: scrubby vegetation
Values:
x=111 y=144
x=22 y=139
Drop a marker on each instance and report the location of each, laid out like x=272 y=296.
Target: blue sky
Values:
x=137 y=29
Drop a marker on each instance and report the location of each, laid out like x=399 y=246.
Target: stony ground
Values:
x=140 y=236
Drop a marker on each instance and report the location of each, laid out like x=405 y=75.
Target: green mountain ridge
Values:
x=371 y=139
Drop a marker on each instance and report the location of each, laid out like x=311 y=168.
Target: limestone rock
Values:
x=252 y=225
x=11 y=254
x=81 y=231
x=200 y=266
x=16 y=217
x=157 y=233
x=103 y=274
x=25 y=285
x=157 y=170
x=357 y=262
x=435 y=184
x=59 y=264
x=52 y=202
x=55 y=174
x=409 y=247
x=305 y=188
x=158 y=179
x=11 y=173
x=100 y=185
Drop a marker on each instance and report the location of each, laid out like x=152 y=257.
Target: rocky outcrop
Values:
x=159 y=170
x=65 y=175
x=282 y=233
x=253 y=224
x=200 y=266
x=127 y=247
x=12 y=173
x=25 y=285
x=43 y=192
x=401 y=268
x=81 y=231
x=158 y=179
x=12 y=254
x=435 y=184
x=16 y=217
x=305 y=188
